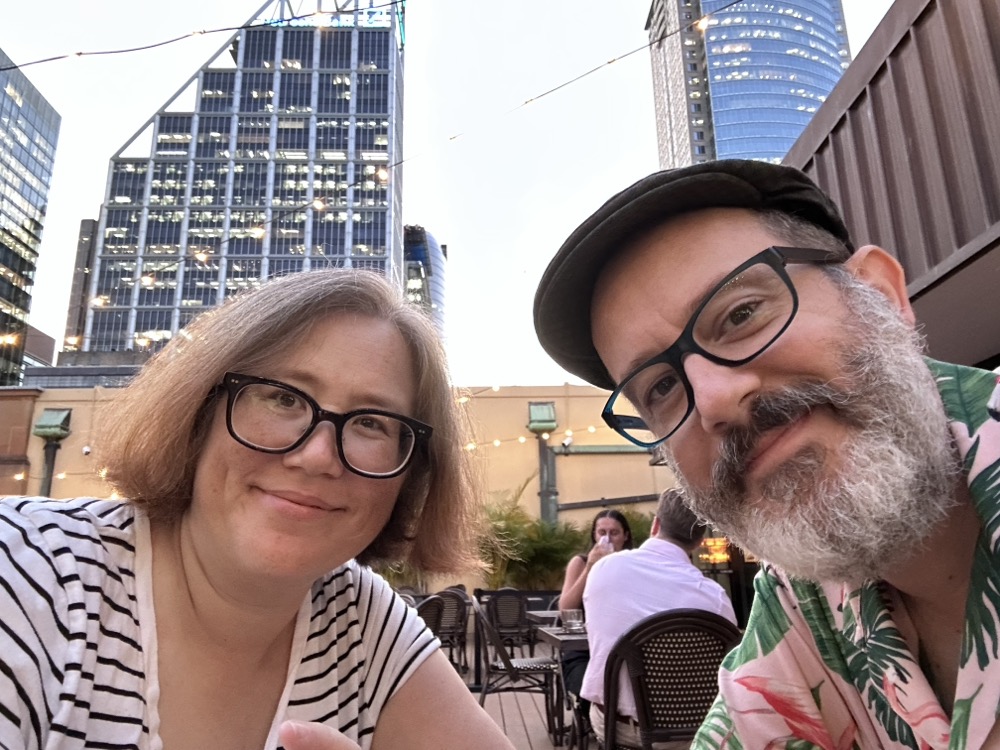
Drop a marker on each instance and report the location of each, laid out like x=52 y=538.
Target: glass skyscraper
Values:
x=29 y=131
x=425 y=260
x=741 y=80
x=277 y=157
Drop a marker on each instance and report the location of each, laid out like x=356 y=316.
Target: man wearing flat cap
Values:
x=777 y=369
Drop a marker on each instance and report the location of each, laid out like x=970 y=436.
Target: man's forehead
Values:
x=715 y=239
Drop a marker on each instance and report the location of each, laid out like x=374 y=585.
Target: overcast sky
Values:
x=498 y=178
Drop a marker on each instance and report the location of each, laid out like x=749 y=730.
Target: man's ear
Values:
x=654 y=530
x=876 y=267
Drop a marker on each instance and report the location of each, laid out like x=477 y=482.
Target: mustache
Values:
x=768 y=411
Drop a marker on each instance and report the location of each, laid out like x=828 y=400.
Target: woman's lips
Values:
x=296 y=502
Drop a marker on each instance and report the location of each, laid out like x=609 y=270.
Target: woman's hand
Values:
x=301 y=735
x=597 y=552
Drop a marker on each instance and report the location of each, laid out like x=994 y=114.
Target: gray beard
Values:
x=899 y=468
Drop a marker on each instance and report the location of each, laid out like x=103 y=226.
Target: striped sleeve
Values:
x=363 y=644
x=70 y=664
x=397 y=640
x=35 y=631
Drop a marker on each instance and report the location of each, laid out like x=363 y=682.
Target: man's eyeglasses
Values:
x=274 y=417
x=741 y=317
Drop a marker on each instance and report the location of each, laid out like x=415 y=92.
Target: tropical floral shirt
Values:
x=827 y=666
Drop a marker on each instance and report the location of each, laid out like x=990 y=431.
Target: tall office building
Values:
x=29 y=131
x=276 y=157
x=741 y=80
x=425 y=272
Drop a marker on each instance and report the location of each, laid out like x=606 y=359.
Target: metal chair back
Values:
x=507 y=613
x=431 y=611
x=504 y=673
x=454 y=626
x=672 y=663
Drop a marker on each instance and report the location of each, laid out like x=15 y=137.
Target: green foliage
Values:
x=639 y=523
x=504 y=529
x=545 y=549
x=401 y=574
x=531 y=554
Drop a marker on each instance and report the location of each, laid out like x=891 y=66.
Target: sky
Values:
x=510 y=141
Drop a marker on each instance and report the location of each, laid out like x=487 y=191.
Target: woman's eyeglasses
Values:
x=274 y=417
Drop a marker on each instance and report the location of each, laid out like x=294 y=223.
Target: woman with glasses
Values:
x=273 y=450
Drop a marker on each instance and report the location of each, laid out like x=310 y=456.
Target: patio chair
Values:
x=454 y=627
x=504 y=674
x=408 y=598
x=431 y=611
x=672 y=663
x=506 y=611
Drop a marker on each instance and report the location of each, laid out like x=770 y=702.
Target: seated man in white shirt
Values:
x=632 y=584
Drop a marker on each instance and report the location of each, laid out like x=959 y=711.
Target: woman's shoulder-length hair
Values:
x=152 y=434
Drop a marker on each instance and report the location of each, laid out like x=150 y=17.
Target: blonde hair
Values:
x=153 y=433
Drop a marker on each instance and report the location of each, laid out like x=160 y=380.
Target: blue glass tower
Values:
x=29 y=131
x=425 y=272
x=741 y=80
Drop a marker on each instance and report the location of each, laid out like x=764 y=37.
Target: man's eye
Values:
x=663 y=387
x=741 y=314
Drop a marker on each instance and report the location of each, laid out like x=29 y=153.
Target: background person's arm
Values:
x=576 y=576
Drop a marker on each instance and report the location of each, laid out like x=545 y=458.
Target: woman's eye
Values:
x=287 y=400
x=371 y=423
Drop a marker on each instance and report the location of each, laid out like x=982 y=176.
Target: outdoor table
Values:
x=543 y=616
x=555 y=636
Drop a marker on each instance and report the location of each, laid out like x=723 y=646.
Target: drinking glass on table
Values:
x=572 y=620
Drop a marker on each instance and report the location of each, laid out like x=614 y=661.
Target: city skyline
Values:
x=494 y=168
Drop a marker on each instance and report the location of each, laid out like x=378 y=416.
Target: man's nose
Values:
x=722 y=395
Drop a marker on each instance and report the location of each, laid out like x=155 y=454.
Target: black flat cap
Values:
x=562 y=301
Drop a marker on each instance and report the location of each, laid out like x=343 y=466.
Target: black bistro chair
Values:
x=505 y=674
x=454 y=627
x=431 y=611
x=507 y=612
x=672 y=663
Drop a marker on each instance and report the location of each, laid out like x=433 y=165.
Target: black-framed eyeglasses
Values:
x=741 y=317
x=274 y=417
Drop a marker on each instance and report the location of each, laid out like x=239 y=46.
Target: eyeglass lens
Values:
x=741 y=319
x=275 y=418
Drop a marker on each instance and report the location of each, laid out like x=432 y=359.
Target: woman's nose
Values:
x=318 y=454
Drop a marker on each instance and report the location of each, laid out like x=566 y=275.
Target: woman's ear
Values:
x=876 y=267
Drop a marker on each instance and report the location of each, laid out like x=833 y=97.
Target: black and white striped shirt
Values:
x=78 y=640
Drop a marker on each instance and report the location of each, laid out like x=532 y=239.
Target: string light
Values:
x=203 y=32
x=148 y=279
x=700 y=23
